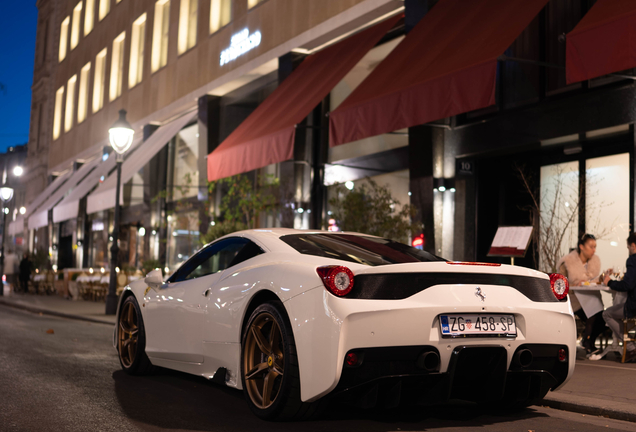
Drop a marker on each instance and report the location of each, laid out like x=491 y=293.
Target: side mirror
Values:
x=154 y=279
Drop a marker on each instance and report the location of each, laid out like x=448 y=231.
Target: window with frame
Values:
x=117 y=67
x=82 y=100
x=42 y=41
x=64 y=37
x=57 y=114
x=100 y=80
x=252 y=3
x=89 y=16
x=188 y=14
x=220 y=14
x=217 y=257
x=160 y=29
x=104 y=8
x=75 y=26
x=70 y=103
x=137 y=41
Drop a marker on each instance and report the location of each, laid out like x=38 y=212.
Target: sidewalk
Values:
x=59 y=306
x=600 y=388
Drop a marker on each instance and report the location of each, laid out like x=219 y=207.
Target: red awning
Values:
x=603 y=42
x=447 y=65
x=267 y=135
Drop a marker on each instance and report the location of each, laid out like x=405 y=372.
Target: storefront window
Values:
x=98 y=240
x=607 y=207
x=183 y=238
x=134 y=190
x=396 y=182
x=559 y=207
x=185 y=176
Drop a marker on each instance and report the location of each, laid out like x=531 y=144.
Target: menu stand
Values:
x=511 y=242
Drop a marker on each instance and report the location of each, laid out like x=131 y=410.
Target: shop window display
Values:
x=559 y=210
x=183 y=238
x=607 y=207
x=99 y=255
x=396 y=183
x=185 y=173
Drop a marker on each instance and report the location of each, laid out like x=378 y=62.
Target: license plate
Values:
x=467 y=325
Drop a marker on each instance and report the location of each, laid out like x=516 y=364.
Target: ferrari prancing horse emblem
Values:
x=479 y=293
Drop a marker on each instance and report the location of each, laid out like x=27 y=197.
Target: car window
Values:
x=372 y=251
x=217 y=257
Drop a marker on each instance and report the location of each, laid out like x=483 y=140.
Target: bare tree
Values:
x=554 y=214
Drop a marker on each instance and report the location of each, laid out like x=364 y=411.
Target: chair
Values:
x=629 y=325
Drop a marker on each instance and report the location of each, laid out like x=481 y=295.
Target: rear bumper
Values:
x=326 y=328
x=391 y=376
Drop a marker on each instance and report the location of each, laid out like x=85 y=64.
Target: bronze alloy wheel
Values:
x=263 y=360
x=128 y=334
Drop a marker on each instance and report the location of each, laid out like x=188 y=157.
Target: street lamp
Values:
x=6 y=193
x=120 y=135
x=17 y=171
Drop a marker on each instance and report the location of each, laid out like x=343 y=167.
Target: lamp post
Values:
x=120 y=135
x=6 y=193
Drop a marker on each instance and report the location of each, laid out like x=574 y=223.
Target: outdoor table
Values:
x=589 y=298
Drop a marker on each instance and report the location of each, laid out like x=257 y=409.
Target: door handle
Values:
x=207 y=292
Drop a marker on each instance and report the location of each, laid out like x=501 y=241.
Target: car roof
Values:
x=269 y=237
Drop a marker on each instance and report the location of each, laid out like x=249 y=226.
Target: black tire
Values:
x=286 y=403
x=131 y=339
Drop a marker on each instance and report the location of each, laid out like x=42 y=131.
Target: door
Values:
x=175 y=312
x=65 y=253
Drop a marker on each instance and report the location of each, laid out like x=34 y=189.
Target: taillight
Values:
x=560 y=285
x=337 y=279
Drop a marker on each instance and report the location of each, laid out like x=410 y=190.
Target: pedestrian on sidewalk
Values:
x=614 y=315
x=11 y=269
x=25 y=272
x=579 y=266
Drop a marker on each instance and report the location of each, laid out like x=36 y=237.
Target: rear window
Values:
x=372 y=251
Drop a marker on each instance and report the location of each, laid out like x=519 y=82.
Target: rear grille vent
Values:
x=397 y=286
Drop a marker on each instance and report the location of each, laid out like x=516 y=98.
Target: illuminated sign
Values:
x=241 y=43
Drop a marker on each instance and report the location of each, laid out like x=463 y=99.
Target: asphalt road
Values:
x=70 y=380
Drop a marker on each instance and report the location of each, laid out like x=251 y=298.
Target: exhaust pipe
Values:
x=523 y=358
x=429 y=361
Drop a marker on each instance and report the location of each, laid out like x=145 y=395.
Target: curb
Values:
x=54 y=313
x=580 y=408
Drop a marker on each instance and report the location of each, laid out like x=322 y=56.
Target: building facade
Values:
x=192 y=75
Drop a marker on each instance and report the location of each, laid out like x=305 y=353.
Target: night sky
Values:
x=18 y=22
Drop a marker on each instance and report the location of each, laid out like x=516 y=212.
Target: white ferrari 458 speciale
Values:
x=294 y=318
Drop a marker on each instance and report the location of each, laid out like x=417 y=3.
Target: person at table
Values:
x=614 y=315
x=579 y=266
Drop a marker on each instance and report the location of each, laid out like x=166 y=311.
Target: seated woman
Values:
x=579 y=266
